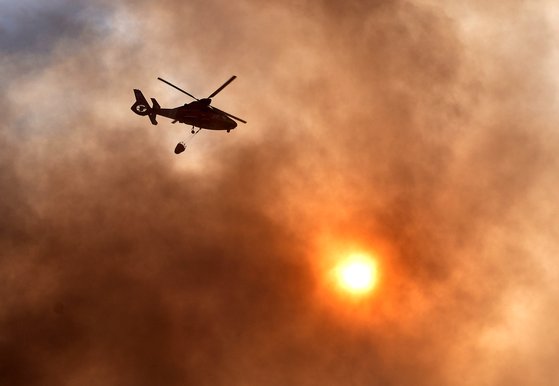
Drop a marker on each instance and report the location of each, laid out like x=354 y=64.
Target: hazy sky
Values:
x=424 y=133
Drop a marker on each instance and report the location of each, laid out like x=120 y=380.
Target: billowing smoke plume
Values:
x=422 y=133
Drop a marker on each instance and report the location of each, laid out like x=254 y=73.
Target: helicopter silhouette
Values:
x=199 y=113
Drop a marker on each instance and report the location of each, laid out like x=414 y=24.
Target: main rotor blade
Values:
x=180 y=89
x=223 y=86
x=229 y=115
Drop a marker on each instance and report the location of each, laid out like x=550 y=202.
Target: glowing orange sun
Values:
x=357 y=274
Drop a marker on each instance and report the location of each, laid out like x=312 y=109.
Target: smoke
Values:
x=420 y=132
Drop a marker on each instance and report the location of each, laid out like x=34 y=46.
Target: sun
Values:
x=357 y=274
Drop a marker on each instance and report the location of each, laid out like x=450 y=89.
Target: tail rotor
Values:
x=142 y=107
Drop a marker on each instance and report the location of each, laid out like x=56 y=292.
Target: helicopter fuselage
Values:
x=199 y=114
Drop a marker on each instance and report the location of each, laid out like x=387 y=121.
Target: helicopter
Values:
x=198 y=114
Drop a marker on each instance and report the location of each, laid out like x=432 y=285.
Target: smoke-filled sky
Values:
x=420 y=132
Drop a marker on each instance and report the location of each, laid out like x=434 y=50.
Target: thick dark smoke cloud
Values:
x=420 y=132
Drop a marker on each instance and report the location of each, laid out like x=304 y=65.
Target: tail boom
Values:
x=142 y=107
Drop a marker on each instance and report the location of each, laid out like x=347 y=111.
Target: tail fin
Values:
x=154 y=111
x=141 y=106
x=156 y=106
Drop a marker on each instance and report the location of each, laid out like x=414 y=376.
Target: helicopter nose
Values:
x=231 y=124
